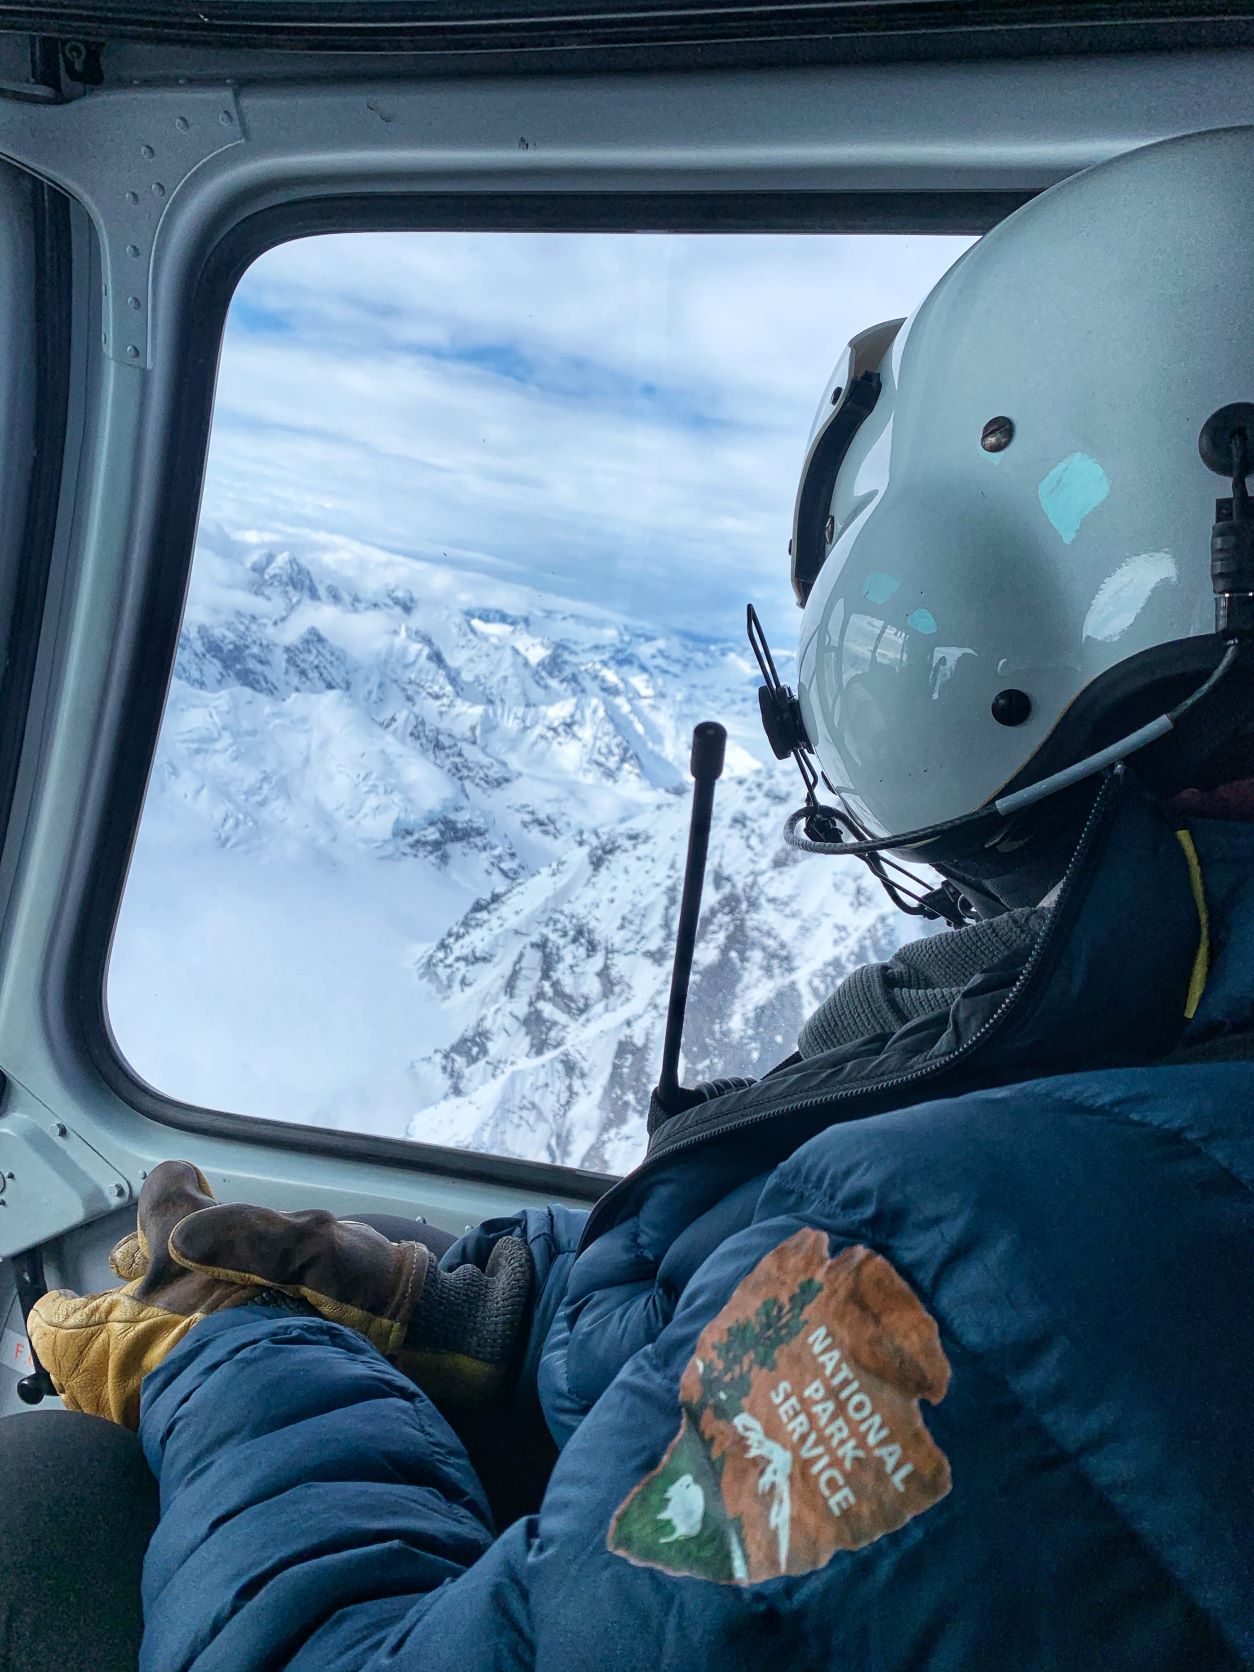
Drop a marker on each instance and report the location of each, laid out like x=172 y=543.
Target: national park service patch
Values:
x=800 y=1432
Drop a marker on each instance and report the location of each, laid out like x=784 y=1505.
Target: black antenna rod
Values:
x=709 y=745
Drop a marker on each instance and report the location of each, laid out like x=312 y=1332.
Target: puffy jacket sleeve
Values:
x=315 y=1508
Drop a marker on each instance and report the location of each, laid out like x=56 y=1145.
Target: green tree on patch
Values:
x=749 y=1344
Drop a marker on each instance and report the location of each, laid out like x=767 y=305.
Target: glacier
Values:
x=410 y=859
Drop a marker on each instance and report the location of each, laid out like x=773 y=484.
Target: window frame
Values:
x=27 y=569
x=583 y=34
x=162 y=603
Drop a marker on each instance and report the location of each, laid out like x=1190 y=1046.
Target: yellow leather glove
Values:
x=455 y=1333
x=98 y=1348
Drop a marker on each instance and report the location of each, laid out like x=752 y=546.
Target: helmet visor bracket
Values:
x=852 y=403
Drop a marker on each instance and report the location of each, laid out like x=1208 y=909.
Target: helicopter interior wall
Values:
x=80 y=1259
x=963 y=132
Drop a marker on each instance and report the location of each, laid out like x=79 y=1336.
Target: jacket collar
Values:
x=1106 y=982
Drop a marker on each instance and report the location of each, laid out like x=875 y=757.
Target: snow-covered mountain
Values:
x=411 y=858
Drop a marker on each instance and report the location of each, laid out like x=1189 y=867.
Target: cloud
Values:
x=618 y=418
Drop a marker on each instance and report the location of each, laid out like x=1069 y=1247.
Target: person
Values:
x=932 y=1346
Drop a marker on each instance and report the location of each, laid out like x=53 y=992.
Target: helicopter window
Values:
x=480 y=519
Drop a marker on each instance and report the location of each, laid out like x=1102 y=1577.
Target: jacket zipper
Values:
x=1045 y=944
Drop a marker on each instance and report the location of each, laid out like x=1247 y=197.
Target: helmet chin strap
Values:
x=945 y=901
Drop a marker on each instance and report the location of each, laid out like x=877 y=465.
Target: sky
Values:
x=615 y=419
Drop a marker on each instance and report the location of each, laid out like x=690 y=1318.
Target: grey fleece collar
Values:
x=920 y=979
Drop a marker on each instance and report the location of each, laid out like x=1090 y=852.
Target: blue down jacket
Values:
x=934 y=1351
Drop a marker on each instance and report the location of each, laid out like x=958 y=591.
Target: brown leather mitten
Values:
x=454 y=1333
x=98 y=1348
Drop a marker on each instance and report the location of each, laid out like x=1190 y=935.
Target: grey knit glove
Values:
x=455 y=1333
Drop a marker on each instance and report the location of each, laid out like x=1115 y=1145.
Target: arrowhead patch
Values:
x=800 y=1433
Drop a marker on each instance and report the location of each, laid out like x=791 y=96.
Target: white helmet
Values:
x=1004 y=519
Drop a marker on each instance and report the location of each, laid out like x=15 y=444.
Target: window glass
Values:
x=481 y=517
